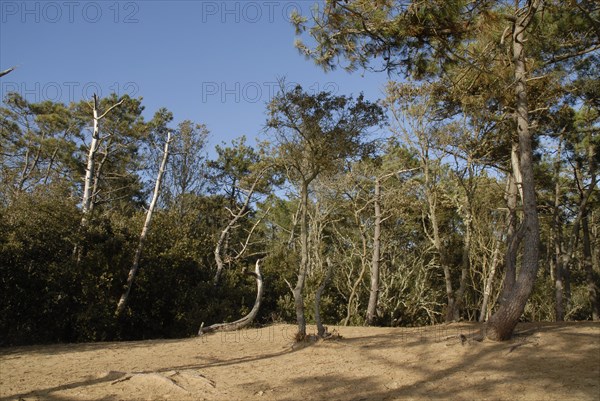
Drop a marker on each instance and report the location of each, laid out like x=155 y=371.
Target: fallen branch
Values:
x=249 y=318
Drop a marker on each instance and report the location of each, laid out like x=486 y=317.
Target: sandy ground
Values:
x=543 y=362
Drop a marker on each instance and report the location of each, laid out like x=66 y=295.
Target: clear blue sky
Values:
x=213 y=62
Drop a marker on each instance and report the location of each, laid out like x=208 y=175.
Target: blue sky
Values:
x=212 y=62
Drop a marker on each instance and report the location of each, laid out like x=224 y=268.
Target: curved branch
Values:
x=249 y=318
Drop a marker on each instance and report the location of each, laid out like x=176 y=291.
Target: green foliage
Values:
x=446 y=162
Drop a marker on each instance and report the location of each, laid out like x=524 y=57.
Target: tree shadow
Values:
x=47 y=392
x=523 y=368
x=440 y=362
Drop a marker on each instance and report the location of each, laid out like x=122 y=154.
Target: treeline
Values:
x=446 y=200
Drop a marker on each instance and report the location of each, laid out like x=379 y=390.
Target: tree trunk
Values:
x=483 y=314
x=513 y=235
x=557 y=228
x=431 y=195
x=466 y=266
x=589 y=269
x=363 y=268
x=97 y=175
x=322 y=330
x=249 y=318
x=502 y=323
x=89 y=169
x=437 y=243
x=587 y=248
x=86 y=205
x=374 y=291
x=136 y=260
x=297 y=291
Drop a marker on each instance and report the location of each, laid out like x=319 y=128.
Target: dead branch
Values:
x=249 y=318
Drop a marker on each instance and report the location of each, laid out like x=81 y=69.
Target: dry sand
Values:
x=543 y=362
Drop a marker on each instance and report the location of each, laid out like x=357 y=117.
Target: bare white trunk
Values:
x=249 y=318
x=89 y=168
x=136 y=260
x=91 y=159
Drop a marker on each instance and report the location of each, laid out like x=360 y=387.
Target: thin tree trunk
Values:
x=363 y=268
x=502 y=323
x=509 y=257
x=297 y=290
x=136 y=260
x=89 y=168
x=466 y=266
x=50 y=164
x=97 y=175
x=86 y=206
x=374 y=291
x=322 y=330
x=587 y=248
x=437 y=243
x=483 y=314
x=589 y=269
x=91 y=159
x=436 y=240
x=557 y=228
x=249 y=318
x=569 y=253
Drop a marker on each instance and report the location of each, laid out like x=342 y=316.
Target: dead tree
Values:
x=249 y=318
x=236 y=216
x=90 y=170
x=91 y=159
x=136 y=259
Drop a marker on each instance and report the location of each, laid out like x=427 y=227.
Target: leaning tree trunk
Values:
x=138 y=253
x=501 y=325
x=374 y=291
x=249 y=318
